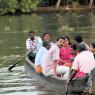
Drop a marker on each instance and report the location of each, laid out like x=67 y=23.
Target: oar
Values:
x=69 y=81
x=67 y=88
x=15 y=64
x=10 y=68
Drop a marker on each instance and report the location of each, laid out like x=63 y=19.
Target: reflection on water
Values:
x=13 y=33
x=16 y=83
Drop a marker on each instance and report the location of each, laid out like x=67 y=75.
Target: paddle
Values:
x=10 y=68
x=67 y=88
x=15 y=64
x=69 y=81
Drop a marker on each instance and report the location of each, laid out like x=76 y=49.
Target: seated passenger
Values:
x=47 y=37
x=79 y=39
x=83 y=62
x=74 y=53
x=74 y=50
x=65 y=52
x=39 y=59
x=52 y=59
x=33 y=43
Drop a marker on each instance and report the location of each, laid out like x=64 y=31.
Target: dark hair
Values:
x=60 y=38
x=31 y=32
x=46 y=33
x=74 y=46
x=93 y=44
x=78 y=38
x=81 y=47
x=68 y=39
x=45 y=43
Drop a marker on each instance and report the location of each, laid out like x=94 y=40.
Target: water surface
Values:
x=13 y=33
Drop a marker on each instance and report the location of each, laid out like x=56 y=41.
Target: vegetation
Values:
x=66 y=29
x=26 y=6
x=8 y=6
x=13 y=6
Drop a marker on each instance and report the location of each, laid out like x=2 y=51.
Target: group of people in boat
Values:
x=61 y=57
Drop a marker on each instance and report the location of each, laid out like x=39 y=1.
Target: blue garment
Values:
x=40 y=56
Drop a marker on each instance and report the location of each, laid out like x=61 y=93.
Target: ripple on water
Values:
x=11 y=57
x=16 y=83
x=27 y=93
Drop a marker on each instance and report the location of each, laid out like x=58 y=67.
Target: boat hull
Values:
x=76 y=86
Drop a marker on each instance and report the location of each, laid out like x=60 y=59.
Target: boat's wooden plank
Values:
x=76 y=86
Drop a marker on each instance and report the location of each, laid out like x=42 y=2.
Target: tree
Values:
x=91 y=3
x=58 y=4
x=8 y=6
x=28 y=5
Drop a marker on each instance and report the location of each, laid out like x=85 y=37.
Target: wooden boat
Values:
x=76 y=87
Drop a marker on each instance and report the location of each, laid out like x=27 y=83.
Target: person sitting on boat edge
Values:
x=47 y=37
x=32 y=44
x=52 y=58
x=40 y=56
x=84 y=61
x=92 y=48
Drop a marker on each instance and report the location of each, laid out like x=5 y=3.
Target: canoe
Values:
x=76 y=86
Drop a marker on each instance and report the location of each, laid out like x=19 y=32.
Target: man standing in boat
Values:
x=52 y=59
x=33 y=43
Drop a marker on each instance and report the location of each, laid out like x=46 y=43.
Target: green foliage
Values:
x=66 y=29
x=28 y=5
x=75 y=3
x=22 y=5
x=8 y=6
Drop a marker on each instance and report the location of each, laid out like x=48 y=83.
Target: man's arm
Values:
x=72 y=75
x=54 y=65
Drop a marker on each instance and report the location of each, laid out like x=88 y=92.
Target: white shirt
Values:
x=84 y=61
x=51 y=55
x=40 y=56
x=35 y=44
x=87 y=47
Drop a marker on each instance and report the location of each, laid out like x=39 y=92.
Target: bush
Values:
x=8 y=6
x=11 y=6
x=28 y=5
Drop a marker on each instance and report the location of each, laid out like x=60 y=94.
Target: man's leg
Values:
x=63 y=70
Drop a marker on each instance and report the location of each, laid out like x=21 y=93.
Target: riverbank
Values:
x=65 y=9
x=52 y=9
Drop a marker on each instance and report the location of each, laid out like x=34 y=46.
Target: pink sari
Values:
x=79 y=74
x=65 y=54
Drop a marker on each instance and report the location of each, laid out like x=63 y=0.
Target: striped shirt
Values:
x=35 y=44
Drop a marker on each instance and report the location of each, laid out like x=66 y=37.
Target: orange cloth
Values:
x=67 y=64
x=38 y=69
